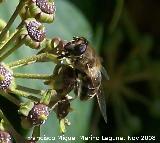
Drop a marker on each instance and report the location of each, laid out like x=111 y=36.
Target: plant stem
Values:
x=20 y=92
x=27 y=89
x=10 y=98
x=13 y=17
x=33 y=59
x=32 y=76
x=9 y=52
x=116 y=15
x=9 y=41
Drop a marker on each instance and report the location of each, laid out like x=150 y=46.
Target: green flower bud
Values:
x=57 y=45
x=42 y=10
x=53 y=46
x=25 y=13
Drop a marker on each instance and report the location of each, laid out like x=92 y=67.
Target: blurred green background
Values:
x=126 y=35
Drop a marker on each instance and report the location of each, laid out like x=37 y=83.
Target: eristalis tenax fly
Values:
x=87 y=64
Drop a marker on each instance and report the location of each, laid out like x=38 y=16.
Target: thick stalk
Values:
x=10 y=98
x=33 y=59
x=24 y=94
x=20 y=93
x=13 y=17
x=16 y=135
x=9 y=52
x=29 y=90
x=32 y=76
x=9 y=41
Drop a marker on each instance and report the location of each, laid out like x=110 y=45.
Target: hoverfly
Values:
x=87 y=64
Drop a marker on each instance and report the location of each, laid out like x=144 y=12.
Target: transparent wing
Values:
x=104 y=73
x=102 y=103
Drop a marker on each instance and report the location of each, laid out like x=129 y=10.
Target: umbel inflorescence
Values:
x=78 y=69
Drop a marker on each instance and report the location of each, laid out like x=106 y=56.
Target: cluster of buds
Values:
x=42 y=10
x=74 y=68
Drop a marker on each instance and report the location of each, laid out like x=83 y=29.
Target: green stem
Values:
x=33 y=59
x=13 y=17
x=9 y=52
x=14 y=133
x=32 y=76
x=30 y=90
x=10 y=98
x=20 y=92
x=36 y=133
x=9 y=41
x=116 y=15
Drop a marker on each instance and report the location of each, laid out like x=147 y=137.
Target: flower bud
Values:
x=24 y=12
x=38 y=114
x=5 y=137
x=57 y=45
x=34 y=33
x=43 y=10
x=6 y=77
x=53 y=46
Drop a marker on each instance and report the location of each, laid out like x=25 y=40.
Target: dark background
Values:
x=130 y=48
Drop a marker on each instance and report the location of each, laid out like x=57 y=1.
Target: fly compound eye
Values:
x=77 y=46
x=79 y=49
